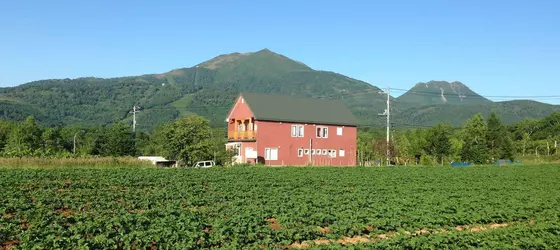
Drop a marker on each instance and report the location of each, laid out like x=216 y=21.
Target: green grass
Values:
x=513 y=207
x=182 y=104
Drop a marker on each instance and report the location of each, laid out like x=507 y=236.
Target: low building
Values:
x=283 y=130
x=158 y=161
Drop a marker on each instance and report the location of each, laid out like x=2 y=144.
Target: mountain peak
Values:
x=265 y=50
x=442 y=92
x=261 y=58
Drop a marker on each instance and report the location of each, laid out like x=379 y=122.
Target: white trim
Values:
x=297 y=130
x=339 y=131
x=323 y=132
x=271 y=154
x=341 y=153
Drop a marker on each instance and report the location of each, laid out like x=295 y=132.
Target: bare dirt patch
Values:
x=7 y=245
x=65 y=211
x=367 y=239
x=9 y=215
x=273 y=224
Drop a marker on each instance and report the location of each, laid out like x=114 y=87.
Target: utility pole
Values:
x=75 y=135
x=135 y=109
x=387 y=113
x=310 y=148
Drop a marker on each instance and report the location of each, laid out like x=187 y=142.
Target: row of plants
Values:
x=247 y=207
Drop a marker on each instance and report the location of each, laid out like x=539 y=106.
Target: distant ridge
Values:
x=209 y=89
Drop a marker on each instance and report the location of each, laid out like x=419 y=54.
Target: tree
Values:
x=475 y=146
x=187 y=140
x=508 y=150
x=404 y=148
x=438 y=142
x=5 y=129
x=119 y=141
x=24 y=139
x=51 y=141
x=495 y=136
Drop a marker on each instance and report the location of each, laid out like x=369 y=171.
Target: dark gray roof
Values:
x=304 y=110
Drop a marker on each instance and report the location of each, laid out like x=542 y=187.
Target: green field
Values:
x=495 y=207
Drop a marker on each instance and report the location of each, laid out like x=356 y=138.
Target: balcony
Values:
x=242 y=135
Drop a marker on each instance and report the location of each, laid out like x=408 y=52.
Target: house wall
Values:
x=244 y=146
x=240 y=110
x=278 y=135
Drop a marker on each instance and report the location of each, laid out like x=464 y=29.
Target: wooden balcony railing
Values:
x=242 y=135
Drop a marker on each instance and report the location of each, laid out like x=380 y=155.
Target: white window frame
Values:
x=297 y=131
x=339 y=131
x=341 y=153
x=323 y=132
x=332 y=153
x=324 y=152
x=300 y=152
x=306 y=151
x=271 y=154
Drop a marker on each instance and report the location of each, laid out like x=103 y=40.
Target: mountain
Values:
x=430 y=103
x=207 y=89
x=441 y=92
x=509 y=111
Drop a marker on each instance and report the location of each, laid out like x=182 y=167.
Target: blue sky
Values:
x=505 y=48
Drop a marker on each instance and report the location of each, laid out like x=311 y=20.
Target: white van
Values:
x=204 y=164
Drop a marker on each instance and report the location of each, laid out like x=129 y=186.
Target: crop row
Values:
x=278 y=207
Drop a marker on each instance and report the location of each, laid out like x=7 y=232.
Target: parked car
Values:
x=204 y=164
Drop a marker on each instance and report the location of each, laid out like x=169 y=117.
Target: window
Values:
x=300 y=131
x=325 y=152
x=255 y=126
x=341 y=153
x=339 y=131
x=297 y=130
x=300 y=152
x=322 y=132
x=239 y=127
x=306 y=151
x=332 y=153
x=271 y=154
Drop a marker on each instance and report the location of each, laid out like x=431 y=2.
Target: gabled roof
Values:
x=303 y=110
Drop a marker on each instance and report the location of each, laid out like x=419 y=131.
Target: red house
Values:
x=282 y=130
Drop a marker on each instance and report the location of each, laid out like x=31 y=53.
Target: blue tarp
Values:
x=506 y=162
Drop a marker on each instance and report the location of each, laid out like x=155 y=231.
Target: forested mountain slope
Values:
x=209 y=88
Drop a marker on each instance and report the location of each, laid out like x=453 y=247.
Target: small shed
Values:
x=158 y=161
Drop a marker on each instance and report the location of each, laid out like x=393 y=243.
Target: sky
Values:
x=497 y=48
